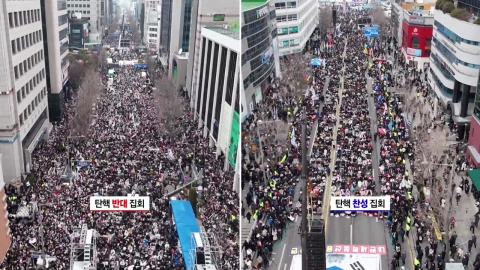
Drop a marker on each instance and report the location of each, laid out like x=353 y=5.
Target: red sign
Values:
x=357 y=249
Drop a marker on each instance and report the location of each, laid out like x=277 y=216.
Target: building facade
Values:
x=217 y=99
x=296 y=21
x=24 y=97
x=5 y=237
x=90 y=9
x=455 y=63
x=179 y=42
x=55 y=40
x=396 y=21
x=260 y=51
x=152 y=39
x=417 y=32
x=473 y=145
x=207 y=13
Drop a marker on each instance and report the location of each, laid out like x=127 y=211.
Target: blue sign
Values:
x=370 y=32
x=83 y=163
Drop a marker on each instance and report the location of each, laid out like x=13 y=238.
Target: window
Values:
x=23 y=43
x=21 y=119
x=14 y=47
x=88 y=11
x=10 y=20
x=415 y=42
x=280 y=5
x=15 y=69
x=20 y=18
x=19 y=96
x=428 y=43
x=218 y=17
x=19 y=45
x=25 y=16
x=292 y=17
x=25 y=66
x=76 y=5
x=63 y=19
x=15 y=15
x=282 y=18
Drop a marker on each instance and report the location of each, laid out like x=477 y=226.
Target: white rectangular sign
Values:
x=119 y=204
x=360 y=203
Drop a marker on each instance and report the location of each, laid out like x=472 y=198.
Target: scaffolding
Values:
x=83 y=254
x=205 y=251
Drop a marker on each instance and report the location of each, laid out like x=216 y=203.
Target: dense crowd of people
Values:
x=127 y=155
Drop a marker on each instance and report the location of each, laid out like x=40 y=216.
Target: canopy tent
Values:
x=111 y=72
x=475 y=177
x=186 y=224
x=316 y=62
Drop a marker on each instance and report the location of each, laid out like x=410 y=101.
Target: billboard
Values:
x=353 y=262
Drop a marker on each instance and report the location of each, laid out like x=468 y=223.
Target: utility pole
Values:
x=304 y=193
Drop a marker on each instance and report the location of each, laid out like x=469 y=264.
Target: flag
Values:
x=284 y=159
x=390 y=125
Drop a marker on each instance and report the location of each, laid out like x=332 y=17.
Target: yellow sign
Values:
x=294 y=251
x=329 y=249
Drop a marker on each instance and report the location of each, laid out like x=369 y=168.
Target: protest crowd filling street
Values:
x=381 y=113
x=128 y=156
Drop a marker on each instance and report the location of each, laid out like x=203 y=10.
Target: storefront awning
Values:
x=475 y=177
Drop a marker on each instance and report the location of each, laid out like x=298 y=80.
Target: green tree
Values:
x=460 y=14
x=477 y=21
x=448 y=7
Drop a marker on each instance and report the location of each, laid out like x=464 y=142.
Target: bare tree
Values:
x=168 y=105
x=325 y=20
x=114 y=25
x=133 y=25
x=151 y=67
x=295 y=70
x=381 y=20
x=102 y=59
x=76 y=71
x=88 y=93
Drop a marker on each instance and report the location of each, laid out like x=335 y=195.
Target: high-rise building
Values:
x=90 y=9
x=55 y=40
x=217 y=99
x=5 y=237
x=152 y=39
x=179 y=41
x=260 y=51
x=207 y=13
x=23 y=97
x=454 y=66
x=296 y=21
x=165 y=28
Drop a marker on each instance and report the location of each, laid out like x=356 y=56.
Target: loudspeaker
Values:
x=334 y=16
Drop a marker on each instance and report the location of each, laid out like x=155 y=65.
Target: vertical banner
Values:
x=234 y=136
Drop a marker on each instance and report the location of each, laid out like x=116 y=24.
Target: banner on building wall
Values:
x=234 y=137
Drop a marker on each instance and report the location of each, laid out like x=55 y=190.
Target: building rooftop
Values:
x=226 y=31
x=251 y=4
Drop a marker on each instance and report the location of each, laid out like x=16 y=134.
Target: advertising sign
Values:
x=353 y=262
x=416 y=20
x=234 y=137
x=414 y=52
x=357 y=249
x=262 y=12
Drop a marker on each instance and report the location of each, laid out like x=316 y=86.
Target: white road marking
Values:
x=281 y=257
x=351 y=234
x=285 y=267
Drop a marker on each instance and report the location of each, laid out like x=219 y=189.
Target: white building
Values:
x=92 y=10
x=23 y=96
x=454 y=65
x=207 y=13
x=217 y=93
x=152 y=38
x=55 y=28
x=296 y=21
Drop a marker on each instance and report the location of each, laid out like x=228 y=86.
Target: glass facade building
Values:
x=258 y=61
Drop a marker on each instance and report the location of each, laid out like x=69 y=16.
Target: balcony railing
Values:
x=422 y=18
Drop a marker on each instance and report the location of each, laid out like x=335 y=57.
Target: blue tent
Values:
x=334 y=268
x=316 y=62
x=367 y=6
x=186 y=224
